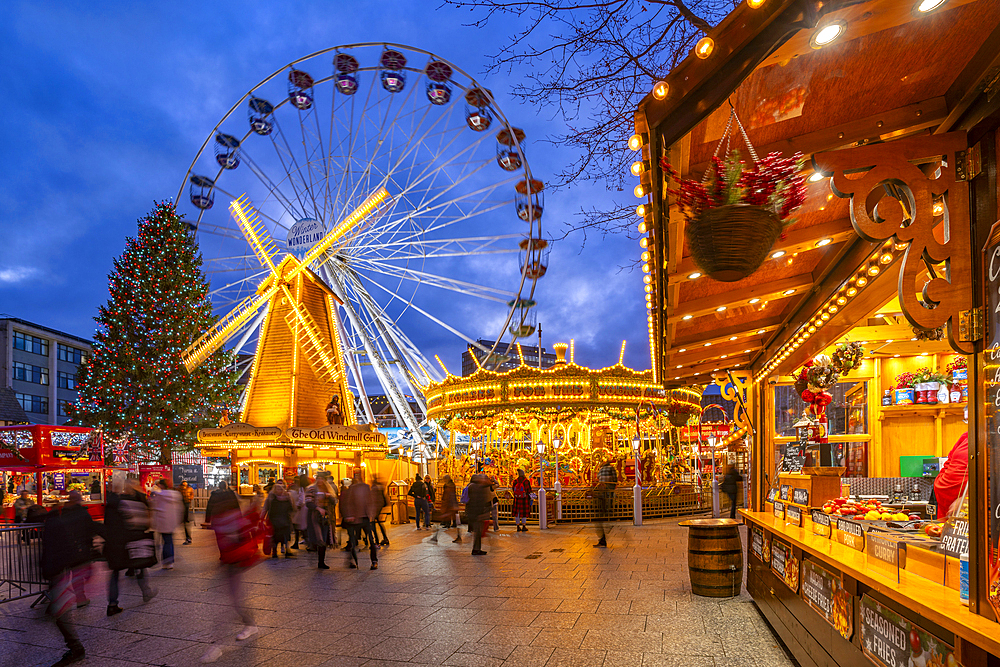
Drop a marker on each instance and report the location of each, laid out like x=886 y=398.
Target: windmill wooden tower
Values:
x=298 y=366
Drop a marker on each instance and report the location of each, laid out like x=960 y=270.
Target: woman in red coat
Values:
x=951 y=481
x=522 y=501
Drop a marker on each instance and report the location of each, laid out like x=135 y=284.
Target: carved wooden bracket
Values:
x=894 y=188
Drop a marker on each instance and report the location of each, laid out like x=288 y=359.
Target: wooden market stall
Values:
x=893 y=105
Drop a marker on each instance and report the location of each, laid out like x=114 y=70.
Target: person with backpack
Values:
x=521 y=488
x=418 y=490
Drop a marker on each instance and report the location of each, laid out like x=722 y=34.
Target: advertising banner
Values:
x=890 y=640
x=149 y=475
x=824 y=592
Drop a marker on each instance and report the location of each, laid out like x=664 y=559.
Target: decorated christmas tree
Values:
x=134 y=386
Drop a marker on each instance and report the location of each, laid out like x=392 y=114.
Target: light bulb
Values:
x=660 y=90
x=639 y=191
x=827 y=34
x=640 y=211
x=636 y=168
x=635 y=142
x=704 y=47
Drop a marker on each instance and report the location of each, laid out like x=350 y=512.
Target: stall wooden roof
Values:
x=894 y=73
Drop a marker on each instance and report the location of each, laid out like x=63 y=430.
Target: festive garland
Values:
x=847 y=357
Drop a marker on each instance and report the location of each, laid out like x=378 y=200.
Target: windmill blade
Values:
x=223 y=330
x=360 y=213
x=315 y=347
x=254 y=230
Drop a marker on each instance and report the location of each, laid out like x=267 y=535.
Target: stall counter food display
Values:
x=935 y=609
x=43 y=451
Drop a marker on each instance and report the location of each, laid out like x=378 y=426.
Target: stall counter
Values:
x=924 y=598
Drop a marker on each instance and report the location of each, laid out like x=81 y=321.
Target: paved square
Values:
x=541 y=598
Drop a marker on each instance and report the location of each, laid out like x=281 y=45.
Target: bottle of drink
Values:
x=887 y=397
x=963 y=577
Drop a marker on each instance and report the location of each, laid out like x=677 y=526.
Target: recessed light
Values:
x=732 y=338
x=827 y=34
x=777 y=253
x=760 y=331
x=755 y=300
x=708 y=345
x=816 y=177
x=680 y=366
x=683 y=349
x=823 y=242
x=788 y=291
x=895 y=356
x=723 y=356
x=687 y=317
x=929 y=5
x=694 y=276
x=720 y=309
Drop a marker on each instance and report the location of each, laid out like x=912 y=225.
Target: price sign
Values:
x=779 y=509
x=821 y=523
x=771 y=495
x=883 y=553
x=785 y=565
x=793 y=515
x=59 y=481
x=800 y=496
x=824 y=592
x=785 y=488
x=889 y=640
x=757 y=541
x=955 y=538
x=851 y=534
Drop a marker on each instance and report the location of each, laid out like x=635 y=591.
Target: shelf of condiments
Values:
x=932 y=392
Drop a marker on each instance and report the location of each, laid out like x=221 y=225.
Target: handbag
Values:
x=266 y=542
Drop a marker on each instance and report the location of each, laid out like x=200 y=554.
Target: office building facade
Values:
x=40 y=366
x=501 y=363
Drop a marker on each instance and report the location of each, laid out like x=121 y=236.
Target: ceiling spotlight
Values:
x=720 y=309
x=755 y=300
x=928 y=5
x=635 y=142
x=661 y=89
x=777 y=253
x=694 y=276
x=788 y=292
x=823 y=242
x=687 y=317
x=828 y=34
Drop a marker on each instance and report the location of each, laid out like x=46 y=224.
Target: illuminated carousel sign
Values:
x=240 y=432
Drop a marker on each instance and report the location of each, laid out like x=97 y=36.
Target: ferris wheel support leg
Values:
x=396 y=400
x=352 y=363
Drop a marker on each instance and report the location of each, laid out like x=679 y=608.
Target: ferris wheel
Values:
x=458 y=247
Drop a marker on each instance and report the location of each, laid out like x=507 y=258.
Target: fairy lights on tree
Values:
x=134 y=386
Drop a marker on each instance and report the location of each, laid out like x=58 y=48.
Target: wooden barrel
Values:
x=715 y=557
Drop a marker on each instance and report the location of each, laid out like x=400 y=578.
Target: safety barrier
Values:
x=20 y=562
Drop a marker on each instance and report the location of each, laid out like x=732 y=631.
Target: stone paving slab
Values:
x=543 y=598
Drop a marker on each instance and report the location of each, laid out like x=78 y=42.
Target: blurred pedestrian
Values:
x=128 y=542
x=237 y=551
x=357 y=508
x=604 y=493
x=521 y=510
x=494 y=502
x=21 y=506
x=730 y=486
x=477 y=510
x=67 y=551
x=381 y=502
x=297 y=493
x=167 y=511
x=418 y=491
x=187 y=495
x=449 y=509
x=279 y=510
x=321 y=500
x=431 y=491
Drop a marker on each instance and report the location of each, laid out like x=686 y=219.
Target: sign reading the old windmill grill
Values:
x=824 y=592
x=821 y=523
x=890 y=640
x=800 y=496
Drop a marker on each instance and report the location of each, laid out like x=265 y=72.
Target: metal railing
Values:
x=21 y=562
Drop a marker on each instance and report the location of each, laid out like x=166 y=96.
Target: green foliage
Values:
x=134 y=386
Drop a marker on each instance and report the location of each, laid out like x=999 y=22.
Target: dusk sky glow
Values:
x=108 y=103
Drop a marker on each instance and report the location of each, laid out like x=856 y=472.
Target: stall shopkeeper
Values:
x=954 y=475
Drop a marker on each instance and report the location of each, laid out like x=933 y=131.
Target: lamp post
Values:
x=475 y=454
x=637 y=488
x=715 y=483
x=556 y=443
x=542 y=514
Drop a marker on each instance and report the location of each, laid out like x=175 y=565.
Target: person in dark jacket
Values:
x=128 y=542
x=477 y=509
x=67 y=549
x=419 y=492
x=380 y=501
x=278 y=510
x=730 y=486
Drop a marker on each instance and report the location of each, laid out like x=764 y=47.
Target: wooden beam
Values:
x=971 y=81
x=768 y=326
x=705 y=369
x=713 y=351
x=796 y=240
x=772 y=291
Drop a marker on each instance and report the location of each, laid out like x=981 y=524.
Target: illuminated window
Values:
x=29 y=373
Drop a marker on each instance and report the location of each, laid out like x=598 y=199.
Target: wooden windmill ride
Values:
x=298 y=365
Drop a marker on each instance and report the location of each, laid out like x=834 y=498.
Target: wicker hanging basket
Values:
x=678 y=419
x=729 y=243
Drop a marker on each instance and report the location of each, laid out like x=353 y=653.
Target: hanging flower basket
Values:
x=736 y=212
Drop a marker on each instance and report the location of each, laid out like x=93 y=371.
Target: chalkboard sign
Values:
x=771 y=495
x=991 y=405
x=785 y=488
x=851 y=534
x=192 y=474
x=824 y=592
x=955 y=537
x=779 y=509
x=800 y=496
x=794 y=457
x=888 y=639
x=793 y=515
x=785 y=565
x=757 y=541
x=821 y=523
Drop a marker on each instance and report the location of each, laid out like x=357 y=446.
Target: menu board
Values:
x=851 y=534
x=785 y=565
x=890 y=640
x=793 y=515
x=821 y=523
x=794 y=457
x=955 y=538
x=800 y=496
x=824 y=592
x=757 y=541
x=991 y=405
x=785 y=488
x=779 y=509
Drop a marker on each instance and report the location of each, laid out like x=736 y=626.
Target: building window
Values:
x=70 y=354
x=67 y=380
x=29 y=373
x=32 y=403
x=63 y=404
x=29 y=343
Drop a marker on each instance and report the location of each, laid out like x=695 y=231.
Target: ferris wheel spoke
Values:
x=233 y=232
x=430 y=248
x=290 y=164
x=433 y=280
x=272 y=188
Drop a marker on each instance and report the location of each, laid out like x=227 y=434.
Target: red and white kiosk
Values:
x=52 y=460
